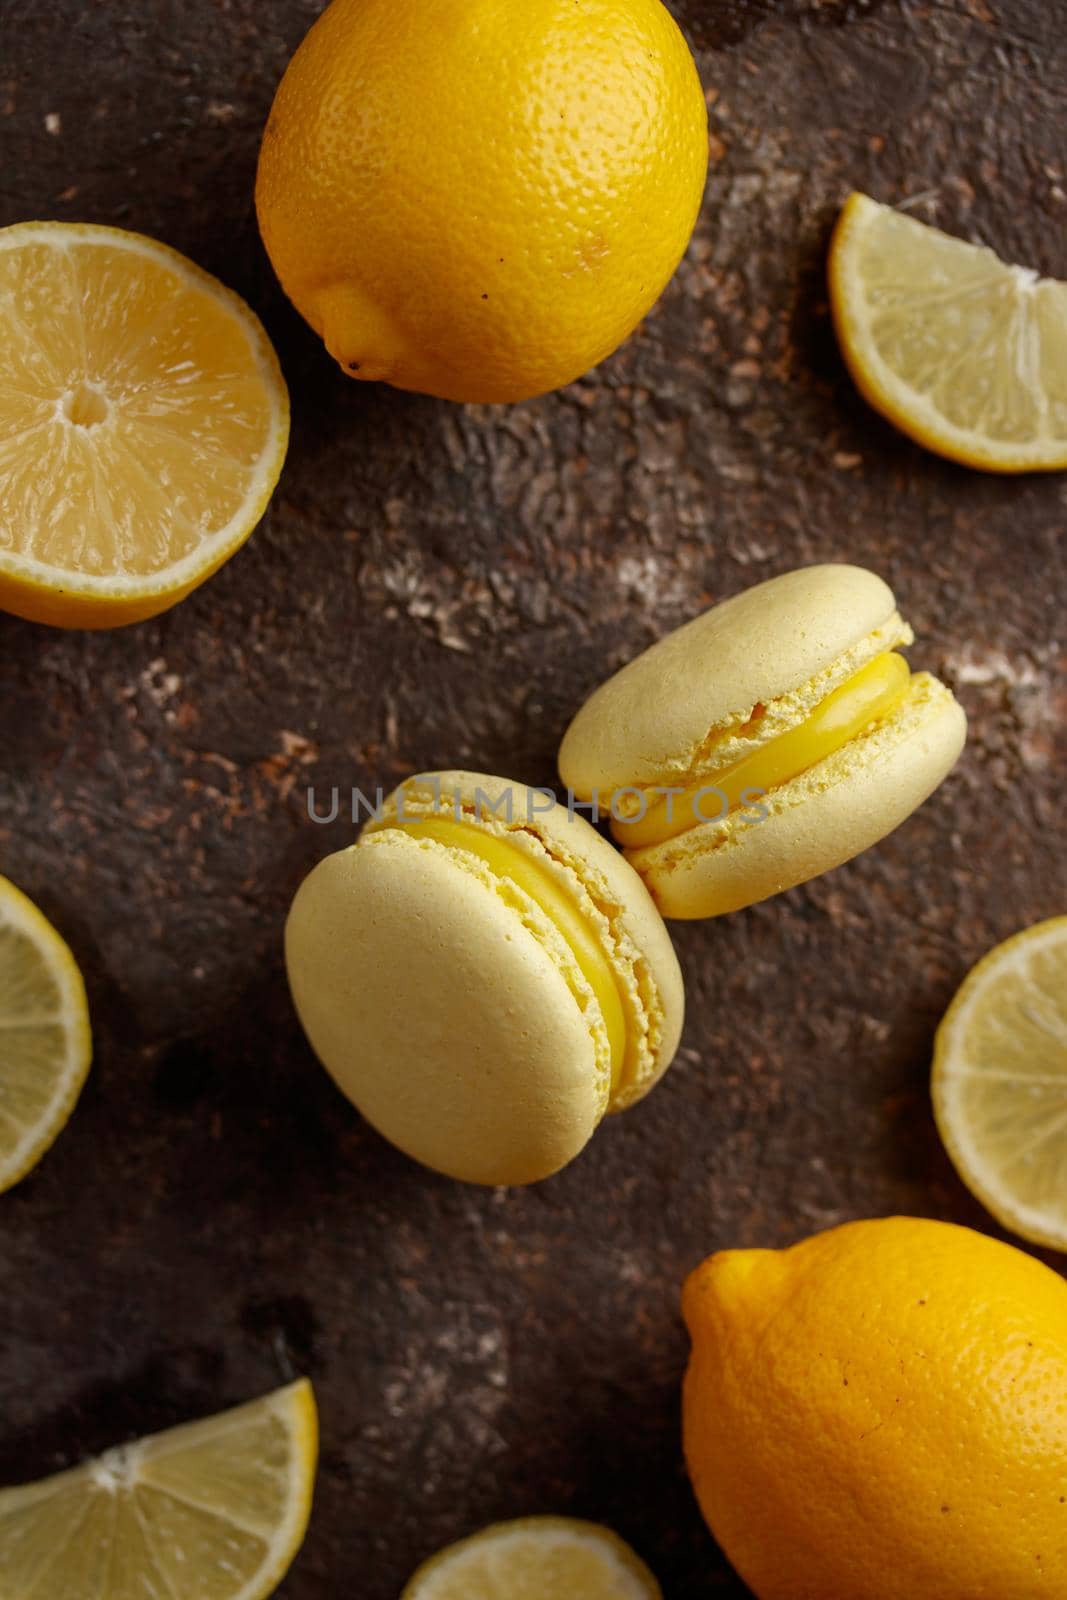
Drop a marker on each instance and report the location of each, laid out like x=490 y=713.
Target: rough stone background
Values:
x=439 y=586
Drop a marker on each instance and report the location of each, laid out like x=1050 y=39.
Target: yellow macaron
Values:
x=484 y=976
x=774 y=737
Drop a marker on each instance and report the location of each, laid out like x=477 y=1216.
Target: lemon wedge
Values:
x=45 y=1043
x=962 y=352
x=1000 y=1082
x=214 y=1510
x=143 y=424
x=532 y=1559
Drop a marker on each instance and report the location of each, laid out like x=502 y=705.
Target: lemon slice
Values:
x=212 y=1511
x=1000 y=1082
x=45 y=1044
x=537 y=1558
x=966 y=354
x=143 y=424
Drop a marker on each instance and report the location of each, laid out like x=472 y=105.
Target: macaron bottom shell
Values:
x=816 y=821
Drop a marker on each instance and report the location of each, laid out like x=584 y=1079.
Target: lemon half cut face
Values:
x=143 y=424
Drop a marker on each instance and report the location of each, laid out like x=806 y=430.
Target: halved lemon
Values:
x=214 y=1510
x=962 y=352
x=1000 y=1082
x=536 y=1558
x=143 y=424
x=45 y=1043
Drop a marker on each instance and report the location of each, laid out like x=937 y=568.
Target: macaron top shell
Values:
x=441 y=1010
x=735 y=677
x=607 y=891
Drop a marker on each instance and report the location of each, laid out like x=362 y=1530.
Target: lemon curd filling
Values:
x=509 y=861
x=868 y=696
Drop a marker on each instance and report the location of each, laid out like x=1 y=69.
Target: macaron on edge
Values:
x=366 y=936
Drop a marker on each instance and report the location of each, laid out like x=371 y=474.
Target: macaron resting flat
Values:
x=774 y=737
x=484 y=976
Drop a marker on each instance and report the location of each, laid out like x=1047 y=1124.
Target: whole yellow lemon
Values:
x=480 y=199
x=880 y=1413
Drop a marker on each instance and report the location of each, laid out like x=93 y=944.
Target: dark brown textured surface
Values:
x=435 y=586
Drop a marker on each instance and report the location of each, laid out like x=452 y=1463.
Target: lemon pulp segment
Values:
x=962 y=351
x=1000 y=1082
x=508 y=861
x=868 y=696
x=216 y=1509
x=534 y=1559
